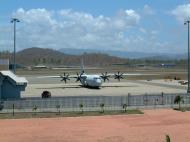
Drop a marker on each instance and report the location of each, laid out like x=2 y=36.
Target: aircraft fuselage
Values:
x=92 y=81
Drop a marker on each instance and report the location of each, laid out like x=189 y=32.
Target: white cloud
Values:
x=182 y=12
x=35 y=15
x=142 y=30
x=147 y=10
x=126 y=19
x=67 y=28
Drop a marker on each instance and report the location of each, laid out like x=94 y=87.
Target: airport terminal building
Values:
x=11 y=85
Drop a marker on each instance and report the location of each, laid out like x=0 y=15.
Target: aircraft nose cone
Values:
x=99 y=81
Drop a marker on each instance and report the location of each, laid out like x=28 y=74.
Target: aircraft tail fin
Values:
x=82 y=66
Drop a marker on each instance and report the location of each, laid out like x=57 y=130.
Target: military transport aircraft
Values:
x=91 y=80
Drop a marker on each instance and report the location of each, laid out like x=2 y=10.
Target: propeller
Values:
x=65 y=77
x=105 y=76
x=118 y=76
x=79 y=77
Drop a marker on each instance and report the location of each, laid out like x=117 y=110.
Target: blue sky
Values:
x=128 y=25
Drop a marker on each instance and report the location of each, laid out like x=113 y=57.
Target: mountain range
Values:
x=72 y=57
x=35 y=56
x=126 y=54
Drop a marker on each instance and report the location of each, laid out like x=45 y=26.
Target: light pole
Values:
x=14 y=21
x=188 y=89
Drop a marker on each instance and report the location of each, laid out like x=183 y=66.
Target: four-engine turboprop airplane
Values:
x=90 y=81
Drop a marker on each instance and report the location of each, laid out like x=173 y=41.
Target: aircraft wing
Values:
x=63 y=77
x=131 y=74
x=57 y=76
x=105 y=76
x=126 y=74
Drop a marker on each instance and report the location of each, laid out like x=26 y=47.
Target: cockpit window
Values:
x=95 y=78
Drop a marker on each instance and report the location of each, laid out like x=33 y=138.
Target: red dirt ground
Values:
x=149 y=127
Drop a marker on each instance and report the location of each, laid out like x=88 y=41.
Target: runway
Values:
x=113 y=88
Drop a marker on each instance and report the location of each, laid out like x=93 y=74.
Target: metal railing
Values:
x=92 y=103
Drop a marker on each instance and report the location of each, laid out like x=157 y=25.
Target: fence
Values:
x=92 y=103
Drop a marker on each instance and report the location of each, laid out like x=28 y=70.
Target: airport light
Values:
x=188 y=89
x=14 y=21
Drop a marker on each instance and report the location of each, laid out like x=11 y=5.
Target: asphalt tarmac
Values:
x=112 y=88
